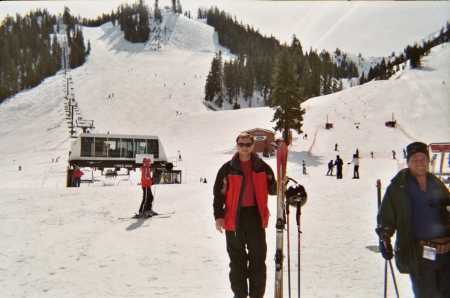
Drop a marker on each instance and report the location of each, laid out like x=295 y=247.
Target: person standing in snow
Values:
x=355 y=161
x=330 y=168
x=414 y=208
x=77 y=177
x=393 y=154
x=336 y=147
x=338 y=163
x=240 y=206
x=304 y=167
x=146 y=182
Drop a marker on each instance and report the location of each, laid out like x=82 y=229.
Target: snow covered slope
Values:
x=64 y=242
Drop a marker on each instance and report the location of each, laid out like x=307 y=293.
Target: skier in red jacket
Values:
x=146 y=182
x=77 y=177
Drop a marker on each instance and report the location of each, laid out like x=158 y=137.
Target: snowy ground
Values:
x=65 y=242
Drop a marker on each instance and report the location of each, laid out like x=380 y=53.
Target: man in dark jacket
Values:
x=338 y=163
x=240 y=206
x=415 y=207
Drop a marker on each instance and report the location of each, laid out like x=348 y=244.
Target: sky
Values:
x=318 y=24
x=67 y=242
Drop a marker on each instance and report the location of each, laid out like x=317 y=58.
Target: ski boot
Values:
x=152 y=212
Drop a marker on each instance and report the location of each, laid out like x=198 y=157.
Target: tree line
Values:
x=133 y=20
x=317 y=73
x=385 y=69
x=252 y=69
x=31 y=49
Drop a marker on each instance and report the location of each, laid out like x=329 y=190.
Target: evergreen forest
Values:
x=33 y=47
x=317 y=73
x=37 y=45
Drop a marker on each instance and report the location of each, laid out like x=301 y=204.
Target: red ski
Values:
x=281 y=172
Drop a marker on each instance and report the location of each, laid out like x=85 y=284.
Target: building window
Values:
x=87 y=147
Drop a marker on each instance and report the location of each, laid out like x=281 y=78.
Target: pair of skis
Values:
x=160 y=215
x=293 y=196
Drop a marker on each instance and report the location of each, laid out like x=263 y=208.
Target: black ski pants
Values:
x=356 y=171
x=147 y=199
x=339 y=172
x=247 y=249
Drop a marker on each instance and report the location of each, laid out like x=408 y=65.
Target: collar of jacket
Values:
x=256 y=161
x=401 y=179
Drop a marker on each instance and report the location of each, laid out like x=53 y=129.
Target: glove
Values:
x=384 y=233
x=387 y=252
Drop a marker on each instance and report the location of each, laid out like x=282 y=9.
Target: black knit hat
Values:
x=417 y=147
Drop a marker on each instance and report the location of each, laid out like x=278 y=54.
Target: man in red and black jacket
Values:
x=240 y=206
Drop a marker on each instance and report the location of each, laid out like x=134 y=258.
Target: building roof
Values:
x=261 y=129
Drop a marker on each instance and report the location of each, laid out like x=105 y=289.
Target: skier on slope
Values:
x=146 y=182
x=77 y=177
x=240 y=206
x=330 y=168
x=355 y=161
x=338 y=163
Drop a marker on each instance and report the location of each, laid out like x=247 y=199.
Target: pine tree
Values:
x=178 y=7
x=56 y=52
x=157 y=13
x=228 y=73
x=174 y=6
x=214 y=81
x=286 y=96
x=249 y=81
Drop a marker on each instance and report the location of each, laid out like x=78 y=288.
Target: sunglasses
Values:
x=248 y=145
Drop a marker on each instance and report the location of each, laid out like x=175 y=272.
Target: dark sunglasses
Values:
x=248 y=145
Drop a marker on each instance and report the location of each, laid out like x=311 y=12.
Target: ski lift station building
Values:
x=117 y=151
x=263 y=138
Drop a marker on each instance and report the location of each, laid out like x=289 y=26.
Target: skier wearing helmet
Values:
x=146 y=182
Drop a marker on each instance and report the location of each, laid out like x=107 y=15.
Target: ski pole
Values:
x=385 y=275
x=288 y=246
x=299 y=206
x=393 y=278
x=385 y=278
x=392 y=272
x=346 y=171
x=154 y=197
